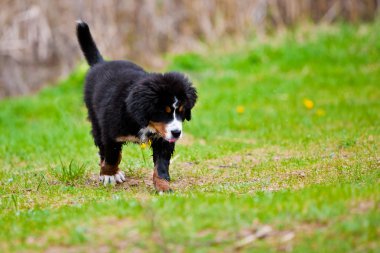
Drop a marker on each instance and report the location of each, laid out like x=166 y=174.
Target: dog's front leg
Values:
x=109 y=167
x=162 y=152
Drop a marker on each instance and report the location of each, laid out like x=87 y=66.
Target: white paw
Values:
x=117 y=178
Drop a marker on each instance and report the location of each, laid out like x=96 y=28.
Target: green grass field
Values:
x=282 y=154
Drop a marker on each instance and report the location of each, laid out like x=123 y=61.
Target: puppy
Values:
x=127 y=104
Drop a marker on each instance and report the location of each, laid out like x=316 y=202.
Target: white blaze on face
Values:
x=174 y=126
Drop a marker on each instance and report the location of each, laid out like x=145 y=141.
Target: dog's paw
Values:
x=161 y=185
x=119 y=177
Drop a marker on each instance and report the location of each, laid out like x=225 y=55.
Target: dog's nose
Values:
x=176 y=133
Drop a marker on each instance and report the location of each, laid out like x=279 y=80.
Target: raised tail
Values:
x=87 y=44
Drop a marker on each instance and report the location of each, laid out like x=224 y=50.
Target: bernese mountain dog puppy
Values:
x=127 y=104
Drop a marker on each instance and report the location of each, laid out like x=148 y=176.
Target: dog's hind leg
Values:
x=109 y=168
x=95 y=129
x=162 y=152
x=96 y=133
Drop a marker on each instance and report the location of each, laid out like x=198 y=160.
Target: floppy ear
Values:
x=140 y=102
x=191 y=94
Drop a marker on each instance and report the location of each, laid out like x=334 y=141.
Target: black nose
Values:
x=176 y=133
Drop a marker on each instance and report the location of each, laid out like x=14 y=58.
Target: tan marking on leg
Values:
x=128 y=138
x=161 y=185
x=110 y=170
x=159 y=127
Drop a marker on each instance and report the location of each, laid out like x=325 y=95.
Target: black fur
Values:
x=87 y=44
x=122 y=98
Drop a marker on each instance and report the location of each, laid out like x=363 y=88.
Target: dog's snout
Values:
x=176 y=133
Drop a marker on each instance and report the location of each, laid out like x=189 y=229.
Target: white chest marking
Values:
x=144 y=132
x=142 y=136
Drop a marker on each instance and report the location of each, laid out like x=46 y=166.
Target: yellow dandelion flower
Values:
x=145 y=145
x=308 y=103
x=240 y=109
x=320 y=112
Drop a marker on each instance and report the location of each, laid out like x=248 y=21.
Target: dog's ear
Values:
x=140 y=102
x=191 y=94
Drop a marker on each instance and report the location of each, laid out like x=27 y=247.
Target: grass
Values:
x=70 y=173
x=281 y=155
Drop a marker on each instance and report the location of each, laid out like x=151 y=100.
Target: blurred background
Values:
x=38 y=43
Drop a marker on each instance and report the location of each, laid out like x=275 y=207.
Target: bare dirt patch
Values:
x=269 y=169
x=363 y=206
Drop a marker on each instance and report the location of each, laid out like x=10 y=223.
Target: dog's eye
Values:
x=168 y=109
x=180 y=109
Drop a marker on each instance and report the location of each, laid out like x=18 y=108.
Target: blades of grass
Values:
x=42 y=177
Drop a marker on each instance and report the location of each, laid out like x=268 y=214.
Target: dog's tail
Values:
x=87 y=44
